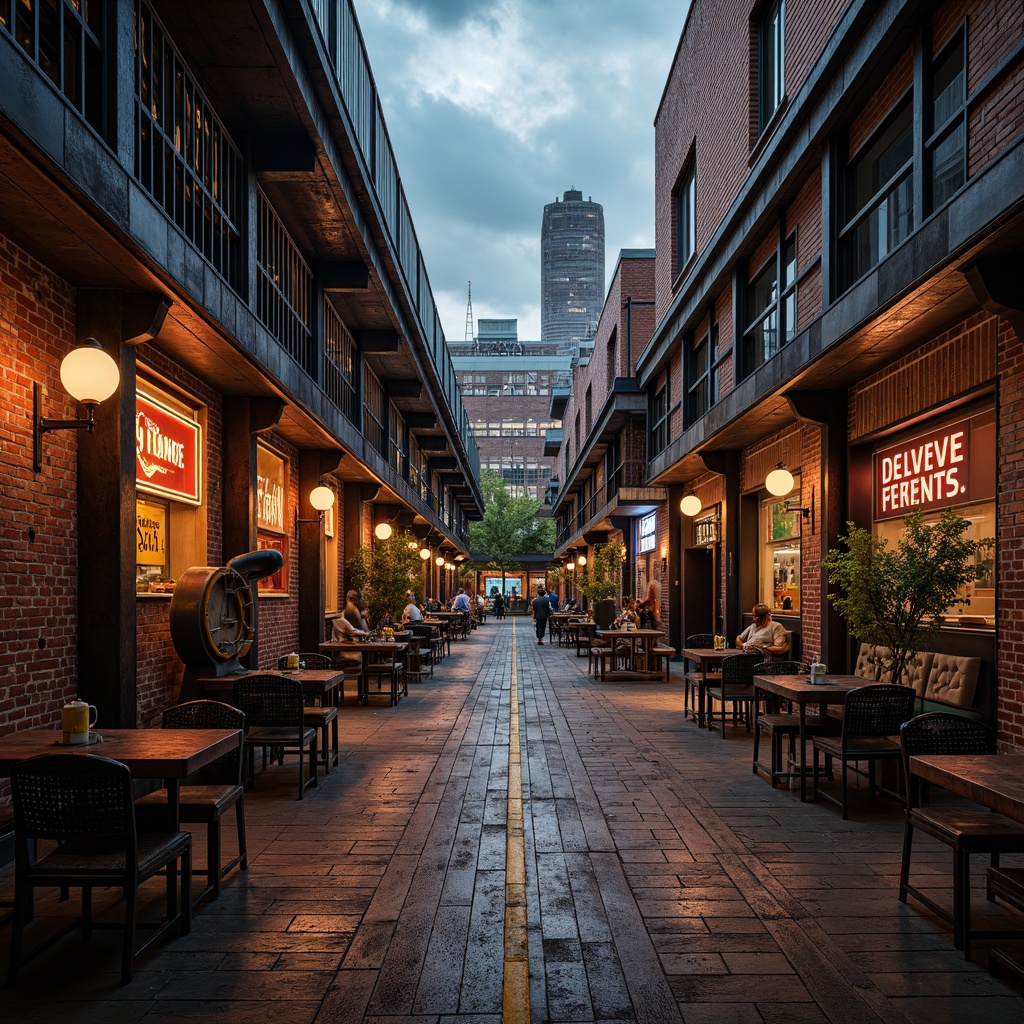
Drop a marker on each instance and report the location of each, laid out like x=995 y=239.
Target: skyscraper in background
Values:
x=572 y=273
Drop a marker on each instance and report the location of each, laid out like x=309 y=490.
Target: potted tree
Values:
x=896 y=598
x=384 y=572
x=602 y=580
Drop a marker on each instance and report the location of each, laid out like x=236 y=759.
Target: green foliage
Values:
x=897 y=598
x=510 y=526
x=384 y=572
x=602 y=579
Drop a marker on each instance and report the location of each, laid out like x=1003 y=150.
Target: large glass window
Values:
x=779 y=577
x=64 y=38
x=771 y=323
x=702 y=379
x=978 y=604
x=686 y=218
x=946 y=147
x=879 y=195
x=771 y=66
x=659 y=417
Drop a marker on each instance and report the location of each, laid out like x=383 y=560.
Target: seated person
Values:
x=342 y=629
x=411 y=612
x=763 y=636
x=570 y=605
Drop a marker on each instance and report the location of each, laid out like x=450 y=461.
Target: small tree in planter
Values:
x=384 y=572
x=602 y=579
x=897 y=598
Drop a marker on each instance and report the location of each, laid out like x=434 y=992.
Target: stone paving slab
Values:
x=664 y=881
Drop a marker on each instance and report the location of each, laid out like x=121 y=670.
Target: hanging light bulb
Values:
x=779 y=481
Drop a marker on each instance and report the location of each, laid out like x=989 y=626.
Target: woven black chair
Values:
x=872 y=717
x=966 y=829
x=692 y=679
x=205 y=800
x=385 y=666
x=275 y=720
x=735 y=687
x=321 y=717
x=421 y=650
x=84 y=804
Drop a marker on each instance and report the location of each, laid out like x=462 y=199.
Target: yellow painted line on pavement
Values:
x=515 y=1000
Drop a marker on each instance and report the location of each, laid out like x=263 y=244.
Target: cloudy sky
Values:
x=497 y=107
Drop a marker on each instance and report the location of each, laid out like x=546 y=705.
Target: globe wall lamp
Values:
x=779 y=481
x=581 y=561
x=322 y=499
x=439 y=561
x=690 y=505
x=382 y=531
x=425 y=554
x=90 y=376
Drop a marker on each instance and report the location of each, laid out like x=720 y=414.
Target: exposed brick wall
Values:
x=716 y=122
x=1010 y=530
x=950 y=364
x=811 y=551
x=39 y=527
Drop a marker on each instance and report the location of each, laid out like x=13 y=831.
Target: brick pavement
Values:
x=664 y=882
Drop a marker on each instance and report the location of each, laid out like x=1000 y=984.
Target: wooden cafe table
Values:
x=995 y=781
x=364 y=647
x=705 y=658
x=641 y=665
x=324 y=684
x=167 y=754
x=802 y=692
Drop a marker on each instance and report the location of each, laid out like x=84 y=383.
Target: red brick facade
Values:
x=869 y=359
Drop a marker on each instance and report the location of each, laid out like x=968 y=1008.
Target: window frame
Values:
x=771 y=39
x=686 y=214
x=940 y=133
x=899 y=178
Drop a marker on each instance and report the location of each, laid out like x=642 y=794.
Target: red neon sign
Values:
x=166 y=452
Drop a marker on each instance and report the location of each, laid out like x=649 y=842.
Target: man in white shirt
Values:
x=763 y=636
x=411 y=612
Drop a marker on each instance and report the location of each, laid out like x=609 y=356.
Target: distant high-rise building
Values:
x=572 y=273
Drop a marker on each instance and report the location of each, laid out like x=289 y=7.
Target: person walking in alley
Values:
x=540 y=608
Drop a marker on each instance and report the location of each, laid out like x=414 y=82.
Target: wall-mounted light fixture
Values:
x=321 y=498
x=779 y=481
x=439 y=561
x=807 y=513
x=570 y=566
x=690 y=505
x=581 y=561
x=90 y=376
x=425 y=553
x=382 y=531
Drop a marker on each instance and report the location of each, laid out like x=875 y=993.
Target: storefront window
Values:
x=950 y=466
x=780 y=555
x=271 y=476
x=978 y=607
x=170 y=525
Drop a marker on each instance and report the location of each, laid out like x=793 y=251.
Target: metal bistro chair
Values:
x=421 y=649
x=386 y=665
x=736 y=687
x=206 y=799
x=692 y=680
x=275 y=720
x=84 y=804
x=872 y=717
x=321 y=717
x=965 y=828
